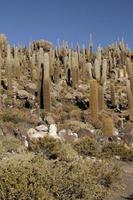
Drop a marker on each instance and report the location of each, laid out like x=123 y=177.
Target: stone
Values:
x=22 y=94
x=46 y=45
x=42 y=127
x=32 y=133
x=67 y=135
x=53 y=131
x=31 y=88
x=49 y=120
x=84 y=132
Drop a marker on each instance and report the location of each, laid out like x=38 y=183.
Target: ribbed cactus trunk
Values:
x=112 y=93
x=107 y=126
x=46 y=86
x=0 y=77
x=130 y=99
x=100 y=97
x=94 y=100
x=97 y=68
x=9 y=74
x=75 y=70
x=130 y=73
x=104 y=71
x=16 y=64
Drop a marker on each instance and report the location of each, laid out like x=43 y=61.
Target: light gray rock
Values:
x=32 y=133
x=53 y=131
x=42 y=127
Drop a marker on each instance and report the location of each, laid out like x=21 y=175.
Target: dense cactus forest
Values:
x=66 y=121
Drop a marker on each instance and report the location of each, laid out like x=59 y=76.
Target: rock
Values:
x=31 y=88
x=84 y=132
x=32 y=133
x=67 y=135
x=53 y=131
x=28 y=104
x=42 y=127
x=46 y=45
x=22 y=94
x=49 y=120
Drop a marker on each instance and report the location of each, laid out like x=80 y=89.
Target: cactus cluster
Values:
x=103 y=71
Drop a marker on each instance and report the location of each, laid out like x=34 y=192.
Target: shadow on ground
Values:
x=130 y=197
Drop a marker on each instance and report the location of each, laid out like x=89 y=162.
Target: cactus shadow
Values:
x=130 y=197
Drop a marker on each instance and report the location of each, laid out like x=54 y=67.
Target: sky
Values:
x=69 y=20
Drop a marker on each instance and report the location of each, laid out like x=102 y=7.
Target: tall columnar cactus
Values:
x=87 y=71
x=107 y=126
x=104 y=71
x=75 y=70
x=9 y=73
x=90 y=45
x=97 y=68
x=110 y=61
x=130 y=99
x=94 y=100
x=16 y=64
x=130 y=73
x=1 y=61
x=112 y=93
x=44 y=89
x=56 y=71
x=100 y=97
x=34 y=71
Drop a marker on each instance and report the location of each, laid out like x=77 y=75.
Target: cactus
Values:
x=107 y=126
x=130 y=73
x=112 y=93
x=90 y=45
x=104 y=71
x=9 y=74
x=75 y=70
x=100 y=97
x=44 y=85
x=97 y=68
x=16 y=64
x=94 y=100
x=130 y=99
x=0 y=76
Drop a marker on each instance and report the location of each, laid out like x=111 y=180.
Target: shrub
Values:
x=53 y=149
x=9 y=144
x=86 y=146
x=17 y=115
x=113 y=149
x=38 y=178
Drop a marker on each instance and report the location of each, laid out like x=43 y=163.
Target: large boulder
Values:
x=46 y=45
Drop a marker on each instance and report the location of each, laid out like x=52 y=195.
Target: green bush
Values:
x=113 y=149
x=9 y=144
x=86 y=146
x=53 y=149
x=42 y=179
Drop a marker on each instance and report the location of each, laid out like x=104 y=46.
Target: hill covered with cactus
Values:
x=62 y=106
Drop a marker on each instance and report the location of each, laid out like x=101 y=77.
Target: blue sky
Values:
x=71 y=20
